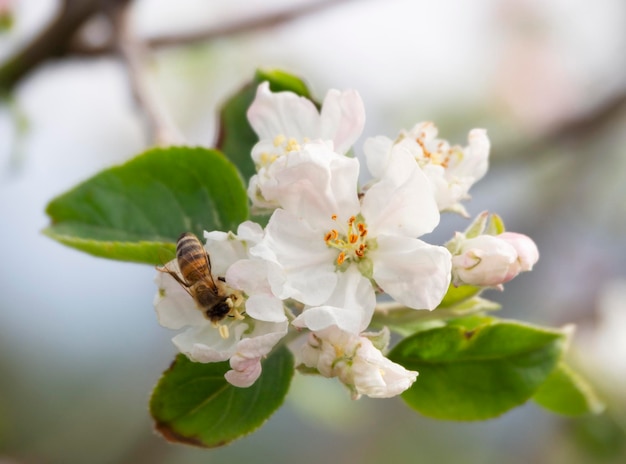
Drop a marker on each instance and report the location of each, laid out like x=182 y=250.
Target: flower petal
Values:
x=314 y=183
x=342 y=118
x=174 y=306
x=204 y=344
x=350 y=307
x=301 y=251
x=413 y=272
x=402 y=202
x=246 y=361
x=282 y=113
x=377 y=152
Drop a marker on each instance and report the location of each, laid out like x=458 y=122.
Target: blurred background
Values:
x=80 y=348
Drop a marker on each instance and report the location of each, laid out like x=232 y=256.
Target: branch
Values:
x=575 y=130
x=58 y=39
x=51 y=42
x=161 y=128
x=247 y=25
x=255 y=24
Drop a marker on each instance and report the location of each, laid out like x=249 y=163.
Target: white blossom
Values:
x=452 y=170
x=285 y=122
x=327 y=229
x=356 y=362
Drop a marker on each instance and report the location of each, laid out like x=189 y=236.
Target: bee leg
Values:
x=236 y=314
x=222 y=329
x=174 y=275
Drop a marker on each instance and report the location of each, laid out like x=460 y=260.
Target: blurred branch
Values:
x=49 y=43
x=590 y=122
x=58 y=39
x=575 y=130
x=247 y=25
x=161 y=128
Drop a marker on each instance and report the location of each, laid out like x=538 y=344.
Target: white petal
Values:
x=244 y=372
x=402 y=202
x=265 y=308
x=342 y=118
x=283 y=113
x=302 y=253
x=223 y=250
x=250 y=232
x=204 y=343
x=314 y=183
x=174 y=306
x=350 y=307
x=376 y=376
x=413 y=272
x=377 y=152
x=476 y=156
x=246 y=362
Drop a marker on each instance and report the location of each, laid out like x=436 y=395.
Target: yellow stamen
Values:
x=292 y=145
x=350 y=241
x=279 y=140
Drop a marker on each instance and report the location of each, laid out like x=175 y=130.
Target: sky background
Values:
x=80 y=347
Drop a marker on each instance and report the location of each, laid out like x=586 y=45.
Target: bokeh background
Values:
x=80 y=348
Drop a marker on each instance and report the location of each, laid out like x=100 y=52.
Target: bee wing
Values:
x=210 y=278
x=175 y=276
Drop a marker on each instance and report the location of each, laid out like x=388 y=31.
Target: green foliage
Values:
x=565 y=392
x=456 y=295
x=407 y=321
x=478 y=372
x=136 y=211
x=194 y=404
x=236 y=137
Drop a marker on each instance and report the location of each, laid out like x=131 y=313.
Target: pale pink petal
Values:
x=414 y=273
x=402 y=202
x=377 y=152
x=301 y=251
x=174 y=306
x=282 y=113
x=342 y=118
x=350 y=307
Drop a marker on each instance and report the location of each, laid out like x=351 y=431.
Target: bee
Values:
x=210 y=294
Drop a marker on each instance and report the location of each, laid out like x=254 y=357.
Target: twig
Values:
x=244 y=26
x=57 y=40
x=134 y=53
x=51 y=42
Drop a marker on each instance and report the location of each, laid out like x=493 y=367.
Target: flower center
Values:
x=284 y=146
x=351 y=242
x=437 y=152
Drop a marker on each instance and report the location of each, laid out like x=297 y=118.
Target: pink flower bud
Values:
x=527 y=252
x=486 y=261
x=491 y=260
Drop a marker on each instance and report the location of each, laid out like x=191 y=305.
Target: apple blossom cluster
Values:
x=331 y=247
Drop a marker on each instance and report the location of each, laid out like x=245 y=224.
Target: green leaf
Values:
x=477 y=373
x=566 y=392
x=456 y=295
x=136 y=211
x=407 y=321
x=236 y=137
x=194 y=404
